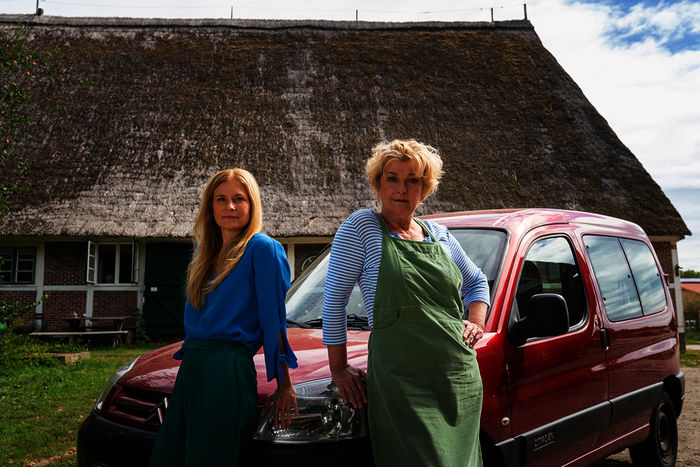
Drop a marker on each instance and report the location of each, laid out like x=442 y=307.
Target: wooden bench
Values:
x=71 y=335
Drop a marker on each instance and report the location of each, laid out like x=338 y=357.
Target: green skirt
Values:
x=212 y=411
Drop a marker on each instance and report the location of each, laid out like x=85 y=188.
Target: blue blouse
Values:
x=248 y=305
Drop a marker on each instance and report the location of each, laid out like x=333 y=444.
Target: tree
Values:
x=23 y=74
x=690 y=274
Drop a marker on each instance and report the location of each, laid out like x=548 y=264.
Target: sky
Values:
x=638 y=62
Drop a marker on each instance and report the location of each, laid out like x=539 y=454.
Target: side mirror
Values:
x=547 y=316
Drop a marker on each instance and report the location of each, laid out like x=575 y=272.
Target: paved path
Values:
x=692 y=347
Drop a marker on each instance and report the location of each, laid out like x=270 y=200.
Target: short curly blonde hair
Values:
x=425 y=160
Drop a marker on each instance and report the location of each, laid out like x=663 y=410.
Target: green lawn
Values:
x=691 y=358
x=41 y=408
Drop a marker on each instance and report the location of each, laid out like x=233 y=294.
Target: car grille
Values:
x=136 y=407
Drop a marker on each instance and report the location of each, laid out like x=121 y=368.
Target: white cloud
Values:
x=649 y=95
x=665 y=21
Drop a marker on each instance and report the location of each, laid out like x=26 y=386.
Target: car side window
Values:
x=614 y=277
x=550 y=267
x=646 y=275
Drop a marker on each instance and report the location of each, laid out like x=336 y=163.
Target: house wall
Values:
x=304 y=254
x=113 y=303
x=65 y=263
x=302 y=250
x=60 y=276
x=21 y=297
x=691 y=304
x=59 y=305
x=664 y=253
x=667 y=252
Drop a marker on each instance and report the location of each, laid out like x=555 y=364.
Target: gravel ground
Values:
x=688 y=428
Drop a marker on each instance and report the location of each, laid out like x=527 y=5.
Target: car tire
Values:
x=661 y=446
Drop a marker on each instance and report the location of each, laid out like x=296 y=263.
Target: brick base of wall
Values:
x=108 y=303
x=59 y=305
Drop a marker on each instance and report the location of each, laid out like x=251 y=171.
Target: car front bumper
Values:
x=103 y=443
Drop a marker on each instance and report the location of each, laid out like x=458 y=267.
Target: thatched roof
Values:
x=300 y=104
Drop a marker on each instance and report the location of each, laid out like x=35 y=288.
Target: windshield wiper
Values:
x=354 y=321
x=291 y=322
x=314 y=323
x=357 y=321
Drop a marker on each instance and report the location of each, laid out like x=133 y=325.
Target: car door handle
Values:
x=604 y=339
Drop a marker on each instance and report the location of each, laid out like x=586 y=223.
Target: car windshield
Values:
x=483 y=246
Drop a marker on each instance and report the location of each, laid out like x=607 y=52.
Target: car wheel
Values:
x=661 y=447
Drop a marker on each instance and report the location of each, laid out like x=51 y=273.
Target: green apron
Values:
x=423 y=383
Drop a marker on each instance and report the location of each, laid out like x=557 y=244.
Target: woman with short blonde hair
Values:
x=423 y=382
x=236 y=288
x=425 y=161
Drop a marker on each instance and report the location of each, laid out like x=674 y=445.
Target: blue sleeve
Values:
x=344 y=269
x=272 y=278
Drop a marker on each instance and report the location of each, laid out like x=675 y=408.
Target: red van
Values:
x=579 y=360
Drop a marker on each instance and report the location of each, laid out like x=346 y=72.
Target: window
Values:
x=111 y=263
x=627 y=276
x=614 y=277
x=646 y=275
x=550 y=267
x=17 y=265
x=485 y=248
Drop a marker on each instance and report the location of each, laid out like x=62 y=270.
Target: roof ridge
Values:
x=263 y=24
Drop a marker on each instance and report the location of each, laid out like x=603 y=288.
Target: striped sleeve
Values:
x=344 y=270
x=354 y=259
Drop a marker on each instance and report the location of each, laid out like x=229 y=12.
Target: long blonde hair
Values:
x=210 y=253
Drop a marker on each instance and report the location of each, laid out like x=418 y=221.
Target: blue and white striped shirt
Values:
x=355 y=257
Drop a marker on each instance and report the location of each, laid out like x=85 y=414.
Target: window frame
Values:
x=631 y=273
x=573 y=327
x=14 y=265
x=659 y=275
x=93 y=262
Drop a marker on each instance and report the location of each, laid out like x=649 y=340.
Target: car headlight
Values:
x=322 y=417
x=111 y=382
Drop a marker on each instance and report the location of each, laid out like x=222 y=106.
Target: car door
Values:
x=639 y=323
x=557 y=386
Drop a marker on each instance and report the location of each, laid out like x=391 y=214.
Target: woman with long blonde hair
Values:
x=236 y=286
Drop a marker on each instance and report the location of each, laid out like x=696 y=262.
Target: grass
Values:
x=41 y=408
x=692 y=336
x=690 y=358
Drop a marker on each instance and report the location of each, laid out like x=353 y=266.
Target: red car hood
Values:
x=156 y=370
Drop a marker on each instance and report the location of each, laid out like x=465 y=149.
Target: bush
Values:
x=15 y=345
x=15 y=352
x=140 y=336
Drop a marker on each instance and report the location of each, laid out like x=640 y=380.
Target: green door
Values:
x=166 y=273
